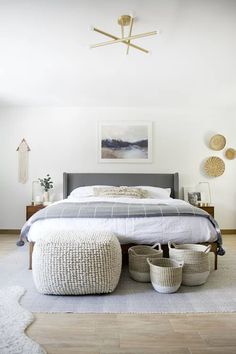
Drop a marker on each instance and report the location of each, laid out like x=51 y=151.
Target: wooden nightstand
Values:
x=31 y=209
x=210 y=209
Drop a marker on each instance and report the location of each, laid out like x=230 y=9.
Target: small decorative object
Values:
x=230 y=154
x=196 y=267
x=194 y=198
x=23 y=158
x=47 y=184
x=192 y=195
x=166 y=274
x=138 y=266
x=214 y=166
x=123 y=21
x=217 y=142
x=125 y=141
x=36 y=193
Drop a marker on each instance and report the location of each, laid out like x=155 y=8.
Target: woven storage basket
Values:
x=196 y=262
x=166 y=274
x=138 y=267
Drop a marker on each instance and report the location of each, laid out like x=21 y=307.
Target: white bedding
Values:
x=179 y=229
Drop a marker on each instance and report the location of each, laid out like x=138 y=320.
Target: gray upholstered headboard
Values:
x=163 y=180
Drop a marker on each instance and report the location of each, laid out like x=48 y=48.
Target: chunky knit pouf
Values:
x=76 y=263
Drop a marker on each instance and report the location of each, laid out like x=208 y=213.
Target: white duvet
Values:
x=149 y=230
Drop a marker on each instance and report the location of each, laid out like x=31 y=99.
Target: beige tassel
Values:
x=23 y=159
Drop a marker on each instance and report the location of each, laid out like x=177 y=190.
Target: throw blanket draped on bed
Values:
x=116 y=210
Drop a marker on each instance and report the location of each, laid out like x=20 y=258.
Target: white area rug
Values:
x=14 y=319
x=217 y=295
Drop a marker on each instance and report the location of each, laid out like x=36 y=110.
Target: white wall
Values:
x=46 y=60
x=65 y=139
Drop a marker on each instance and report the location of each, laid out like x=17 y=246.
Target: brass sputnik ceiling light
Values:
x=124 y=21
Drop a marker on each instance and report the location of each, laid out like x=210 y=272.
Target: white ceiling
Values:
x=45 y=57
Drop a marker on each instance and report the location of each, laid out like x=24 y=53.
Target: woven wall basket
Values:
x=230 y=154
x=217 y=142
x=214 y=166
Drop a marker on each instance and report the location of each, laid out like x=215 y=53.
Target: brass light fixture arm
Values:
x=130 y=32
x=141 y=35
x=122 y=31
x=123 y=41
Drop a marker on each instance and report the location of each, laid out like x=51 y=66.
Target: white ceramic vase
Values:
x=45 y=197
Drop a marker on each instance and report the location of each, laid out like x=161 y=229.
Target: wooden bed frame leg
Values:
x=214 y=250
x=31 y=247
x=216 y=264
x=216 y=261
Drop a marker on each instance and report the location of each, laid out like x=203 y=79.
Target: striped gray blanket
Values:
x=115 y=210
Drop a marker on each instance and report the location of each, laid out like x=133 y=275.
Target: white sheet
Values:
x=179 y=229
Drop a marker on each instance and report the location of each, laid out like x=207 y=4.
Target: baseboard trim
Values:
x=9 y=231
x=228 y=231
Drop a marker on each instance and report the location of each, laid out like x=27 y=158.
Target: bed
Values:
x=195 y=228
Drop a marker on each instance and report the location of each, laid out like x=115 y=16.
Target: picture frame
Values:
x=192 y=196
x=125 y=141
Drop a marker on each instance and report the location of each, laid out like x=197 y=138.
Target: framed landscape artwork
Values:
x=125 y=142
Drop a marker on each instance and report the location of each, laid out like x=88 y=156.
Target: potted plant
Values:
x=47 y=184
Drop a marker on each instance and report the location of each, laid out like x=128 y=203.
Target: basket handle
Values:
x=157 y=244
x=171 y=244
x=207 y=250
x=181 y=264
x=149 y=260
x=131 y=250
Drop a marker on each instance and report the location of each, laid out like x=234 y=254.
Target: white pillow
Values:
x=84 y=192
x=121 y=191
x=156 y=192
x=152 y=192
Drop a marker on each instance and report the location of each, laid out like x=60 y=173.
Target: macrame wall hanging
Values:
x=23 y=160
